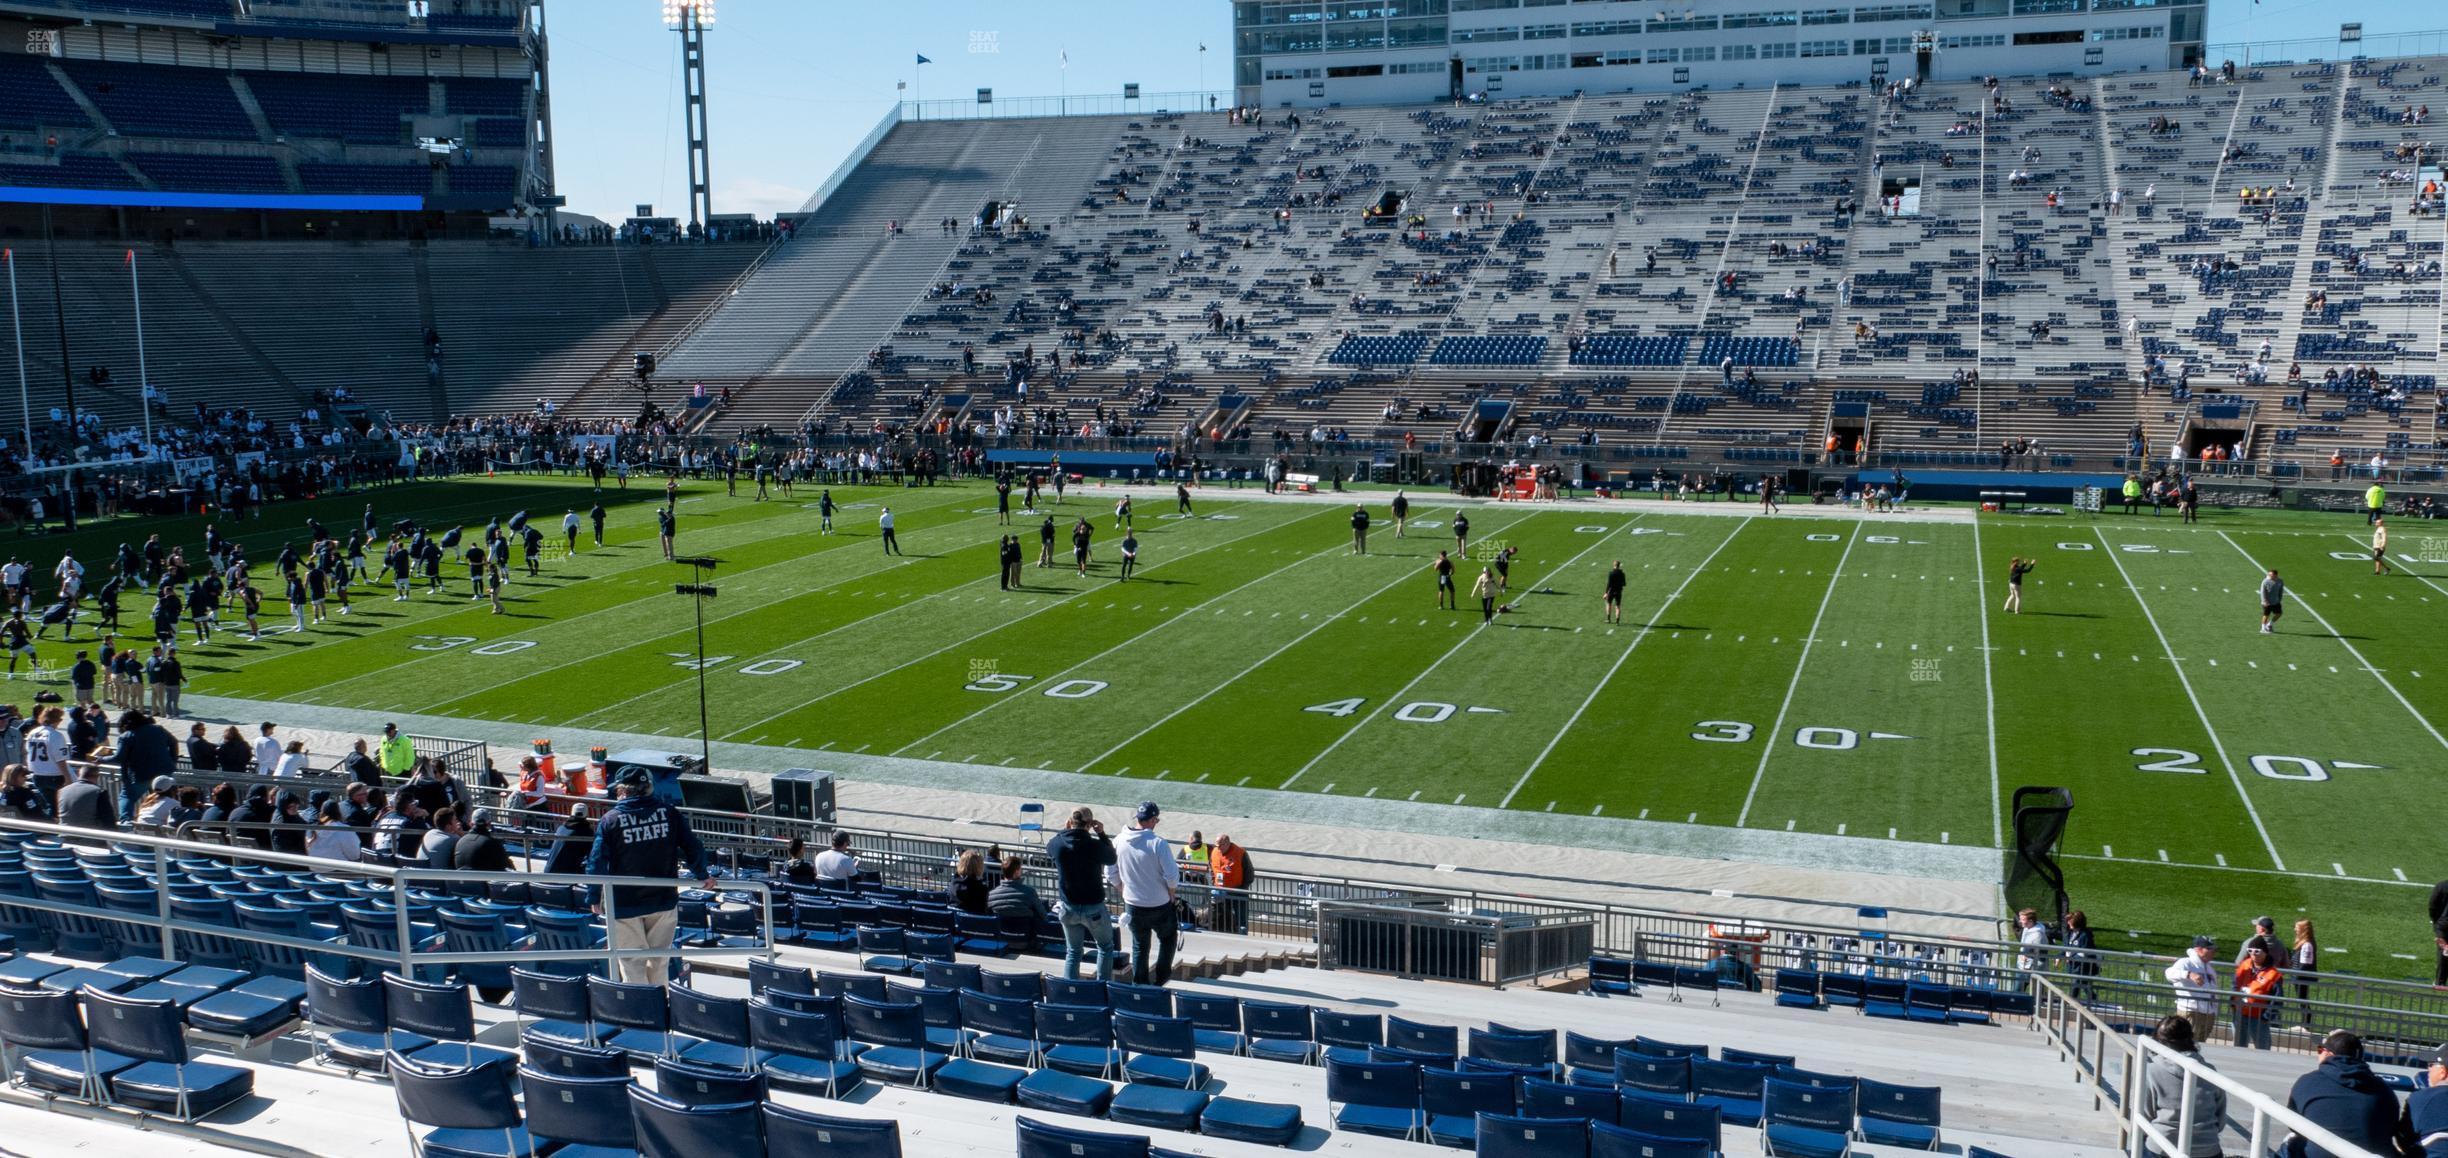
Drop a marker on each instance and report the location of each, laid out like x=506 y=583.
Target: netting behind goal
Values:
x=2034 y=879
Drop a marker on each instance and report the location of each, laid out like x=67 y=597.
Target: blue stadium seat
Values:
x=896 y=1038
x=558 y=1004
x=1043 y=1140
x=53 y=1052
x=636 y=1018
x=563 y=1059
x=1530 y=1136
x=668 y=1129
x=1216 y=1021
x=1381 y=1098
x=1609 y=976
x=1065 y=1093
x=1065 y=991
x=1663 y=1116
x=1893 y=1115
x=799 y=1050
x=165 y=1080
x=470 y=1110
x=698 y=1085
x=1078 y=1039
x=1145 y=1000
x=1733 y=1088
x=790 y=1131
x=354 y=1023
x=1279 y=1031
x=1028 y=987
x=1004 y=1029
x=1349 y=1035
x=1618 y=1142
x=442 y=1013
x=1162 y=1051
x=573 y=1111
x=1541 y=1098
x=1806 y=1121
x=1422 y=1037
x=1774 y=1061
x=1452 y=1101
x=1797 y=988
x=1637 y=1069
x=1242 y=1120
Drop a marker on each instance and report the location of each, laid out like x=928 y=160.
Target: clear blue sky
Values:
x=795 y=83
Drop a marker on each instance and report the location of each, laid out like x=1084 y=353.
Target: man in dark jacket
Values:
x=2344 y=1097
x=1083 y=858
x=643 y=837
x=146 y=750
x=2426 y=1112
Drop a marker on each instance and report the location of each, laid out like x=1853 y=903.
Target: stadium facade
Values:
x=1321 y=52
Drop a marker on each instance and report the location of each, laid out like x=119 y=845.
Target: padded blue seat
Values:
x=1160 y=1107
x=1508 y=1136
x=665 y=1127
x=1546 y=1099
x=165 y=1079
x=1452 y=1101
x=28 y=972
x=789 y=1131
x=585 y=1117
x=1806 y=1121
x=1661 y=1116
x=1381 y=1098
x=1044 y=1140
x=980 y=1081
x=1617 y=1142
x=1266 y=1123
x=51 y=1045
x=896 y=1038
x=559 y=1005
x=1893 y=1115
x=472 y=1110
x=253 y=1008
x=800 y=1051
x=1610 y=976
x=1065 y=1093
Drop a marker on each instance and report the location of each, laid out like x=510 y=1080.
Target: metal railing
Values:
x=2261 y=1114
x=408 y=951
x=2101 y=1053
x=1087 y=104
x=1495 y=949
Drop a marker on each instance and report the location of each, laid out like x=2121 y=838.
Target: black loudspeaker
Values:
x=803 y=794
x=645 y=364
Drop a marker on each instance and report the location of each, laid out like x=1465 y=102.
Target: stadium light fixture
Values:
x=678 y=12
x=691 y=18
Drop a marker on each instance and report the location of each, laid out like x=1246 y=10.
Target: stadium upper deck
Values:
x=2066 y=240
x=294 y=102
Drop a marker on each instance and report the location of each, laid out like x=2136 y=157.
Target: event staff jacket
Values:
x=643 y=837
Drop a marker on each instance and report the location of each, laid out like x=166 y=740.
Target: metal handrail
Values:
x=2142 y=1137
x=408 y=955
x=2082 y=1038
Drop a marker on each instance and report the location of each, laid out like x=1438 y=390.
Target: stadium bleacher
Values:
x=880 y=1004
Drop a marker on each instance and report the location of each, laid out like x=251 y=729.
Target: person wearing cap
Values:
x=642 y=836
x=396 y=755
x=2162 y=1097
x=836 y=864
x=2426 y=1111
x=2264 y=934
x=2257 y=980
x=1083 y=856
x=1150 y=882
x=159 y=808
x=2343 y=1096
x=2196 y=988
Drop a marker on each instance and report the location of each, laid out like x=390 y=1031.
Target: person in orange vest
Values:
x=1228 y=868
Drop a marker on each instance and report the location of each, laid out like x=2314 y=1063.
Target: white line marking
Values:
x=1424 y=673
x=2216 y=744
x=2361 y=662
x=1778 y=729
x=1609 y=677
x=1980 y=594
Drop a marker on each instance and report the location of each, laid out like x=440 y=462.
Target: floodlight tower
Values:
x=690 y=18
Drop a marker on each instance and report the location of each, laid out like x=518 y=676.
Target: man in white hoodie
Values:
x=2197 y=991
x=1149 y=879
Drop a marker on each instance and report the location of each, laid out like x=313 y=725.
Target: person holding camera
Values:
x=1083 y=857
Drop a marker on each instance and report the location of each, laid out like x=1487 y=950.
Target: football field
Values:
x=1843 y=676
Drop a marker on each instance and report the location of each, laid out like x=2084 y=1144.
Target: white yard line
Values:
x=1069 y=672
x=1424 y=673
x=2398 y=564
x=2216 y=744
x=1237 y=677
x=973 y=636
x=1778 y=729
x=2365 y=664
x=626 y=605
x=1609 y=677
x=1980 y=581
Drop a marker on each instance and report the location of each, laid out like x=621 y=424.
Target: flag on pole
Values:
x=1066 y=58
x=922 y=59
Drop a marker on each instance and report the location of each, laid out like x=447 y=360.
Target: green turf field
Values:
x=1851 y=677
